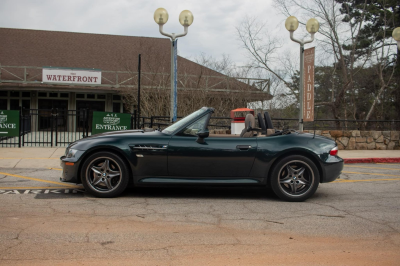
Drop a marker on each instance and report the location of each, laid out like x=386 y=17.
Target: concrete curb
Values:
x=372 y=160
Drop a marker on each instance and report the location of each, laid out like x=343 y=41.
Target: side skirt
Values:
x=208 y=181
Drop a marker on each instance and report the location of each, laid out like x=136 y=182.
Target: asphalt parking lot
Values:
x=354 y=221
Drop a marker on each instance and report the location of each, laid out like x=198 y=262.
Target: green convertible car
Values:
x=291 y=163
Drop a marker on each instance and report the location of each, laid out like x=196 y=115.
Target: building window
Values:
x=4 y=93
x=26 y=105
x=101 y=96
x=80 y=96
x=116 y=97
x=42 y=94
x=90 y=96
x=64 y=95
x=26 y=94
x=14 y=104
x=3 y=104
x=14 y=94
x=116 y=107
x=53 y=94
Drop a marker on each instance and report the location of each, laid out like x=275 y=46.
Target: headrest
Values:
x=268 y=120
x=249 y=121
x=261 y=123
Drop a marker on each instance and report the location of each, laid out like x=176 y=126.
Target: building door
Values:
x=45 y=107
x=91 y=106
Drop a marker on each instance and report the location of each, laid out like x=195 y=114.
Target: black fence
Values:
x=343 y=125
x=55 y=127
x=162 y=122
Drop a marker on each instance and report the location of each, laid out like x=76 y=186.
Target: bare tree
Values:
x=383 y=67
x=335 y=34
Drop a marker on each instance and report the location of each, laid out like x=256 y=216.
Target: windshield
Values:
x=183 y=121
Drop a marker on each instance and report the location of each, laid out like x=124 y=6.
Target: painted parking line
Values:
x=58 y=169
x=368 y=167
x=38 y=179
x=29 y=158
x=33 y=188
x=360 y=173
x=366 y=180
x=41 y=191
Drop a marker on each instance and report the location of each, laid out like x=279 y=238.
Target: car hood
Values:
x=113 y=138
x=117 y=133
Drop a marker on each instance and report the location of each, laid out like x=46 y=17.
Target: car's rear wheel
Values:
x=294 y=178
x=105 y=175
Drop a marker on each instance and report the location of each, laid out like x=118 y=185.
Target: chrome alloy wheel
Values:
x=103 y=174
x=296 y=178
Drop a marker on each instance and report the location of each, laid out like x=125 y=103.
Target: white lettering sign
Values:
x=110 y=127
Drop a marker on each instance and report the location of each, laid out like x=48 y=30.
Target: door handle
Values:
x=243 y=147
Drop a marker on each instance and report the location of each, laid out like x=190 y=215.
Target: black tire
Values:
x=294 y=178
x=104 y=175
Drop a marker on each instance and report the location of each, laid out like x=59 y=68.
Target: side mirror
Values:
x=201 y=135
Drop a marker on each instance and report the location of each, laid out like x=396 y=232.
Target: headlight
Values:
x=71 y=153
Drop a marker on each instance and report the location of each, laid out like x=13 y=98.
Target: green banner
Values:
x=9 y=123
x=105 y=122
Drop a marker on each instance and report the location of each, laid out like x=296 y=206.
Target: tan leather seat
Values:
x=248 y=121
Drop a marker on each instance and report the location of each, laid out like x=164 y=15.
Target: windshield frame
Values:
x=172 y=129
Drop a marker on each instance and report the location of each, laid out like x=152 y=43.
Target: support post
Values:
x=174 y=80
x=134 y=119
x=139 y=73
x=20 y=126
x=56 y=115
x=301 y=86
x=51 y=128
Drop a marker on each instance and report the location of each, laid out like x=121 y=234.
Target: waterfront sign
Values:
x=308 y=85
x=9 y=123
x=106 y=121
x=71 y=76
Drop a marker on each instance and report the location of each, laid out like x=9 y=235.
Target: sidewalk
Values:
x=34 y=157
x=31 y=157
x=370 y=156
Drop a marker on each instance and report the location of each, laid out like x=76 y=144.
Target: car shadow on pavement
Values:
x=201 y=193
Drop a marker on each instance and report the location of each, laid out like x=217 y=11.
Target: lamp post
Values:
x=186 y=19
x=312 y=27
x=396 y=36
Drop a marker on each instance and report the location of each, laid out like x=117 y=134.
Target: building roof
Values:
x=22 y=47
x=38 y=48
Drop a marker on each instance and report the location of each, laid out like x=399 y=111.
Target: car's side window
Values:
x=195 y=127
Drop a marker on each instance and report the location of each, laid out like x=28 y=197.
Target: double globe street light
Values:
x=186 y=19
x=312 y=27
x=396 y=36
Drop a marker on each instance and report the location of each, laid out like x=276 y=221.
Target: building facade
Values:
x=29 y=59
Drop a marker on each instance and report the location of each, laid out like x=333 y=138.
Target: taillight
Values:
x=334 y=151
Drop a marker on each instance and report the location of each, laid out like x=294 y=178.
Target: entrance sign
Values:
x=308 y=85
x=71 y=76
x=105 y=122
x=9 y=123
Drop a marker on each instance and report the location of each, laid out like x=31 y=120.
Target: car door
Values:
x=217 y=157
x=149 y=154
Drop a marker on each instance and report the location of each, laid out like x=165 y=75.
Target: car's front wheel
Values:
x=294 y=178
x=104 y=174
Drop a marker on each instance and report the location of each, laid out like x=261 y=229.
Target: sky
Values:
x=212 y=33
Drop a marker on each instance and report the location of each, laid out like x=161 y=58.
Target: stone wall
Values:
x=362 y=140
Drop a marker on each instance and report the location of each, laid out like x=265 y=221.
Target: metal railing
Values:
x=343 y=125
x=128 y=79
x=292 y=123
x=54 y=127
